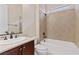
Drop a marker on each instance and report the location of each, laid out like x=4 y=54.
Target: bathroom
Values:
x=39 y=29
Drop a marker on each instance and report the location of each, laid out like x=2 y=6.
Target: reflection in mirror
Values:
x=15 y=17
x=3 y=18
x=10 y=18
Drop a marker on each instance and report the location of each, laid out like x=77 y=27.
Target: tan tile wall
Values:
x=77 y=25
x=61 y=25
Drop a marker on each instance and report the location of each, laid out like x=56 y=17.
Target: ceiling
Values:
x=47 y=7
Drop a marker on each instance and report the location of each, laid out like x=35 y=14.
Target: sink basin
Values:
x=12 y=41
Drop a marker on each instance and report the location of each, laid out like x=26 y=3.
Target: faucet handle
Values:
x=16 y=36
x=5 y=38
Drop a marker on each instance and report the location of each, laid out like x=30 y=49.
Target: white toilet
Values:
x=41 y=50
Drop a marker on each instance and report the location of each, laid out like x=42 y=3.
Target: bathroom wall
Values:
x=42 y=24
x=29 y=20
x=61 y=25
x=42 y=17
x=77 y=25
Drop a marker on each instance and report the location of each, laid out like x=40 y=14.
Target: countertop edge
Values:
x=8 y=47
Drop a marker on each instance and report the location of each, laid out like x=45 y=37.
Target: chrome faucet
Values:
x=5 y=38
x=11 y=35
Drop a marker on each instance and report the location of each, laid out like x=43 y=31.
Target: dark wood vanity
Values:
x=25 y=49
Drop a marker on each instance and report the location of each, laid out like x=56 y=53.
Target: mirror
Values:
x=3 y=19
x=10 y=18
x=15 y=17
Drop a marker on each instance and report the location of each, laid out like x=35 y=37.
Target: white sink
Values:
x=11 y=41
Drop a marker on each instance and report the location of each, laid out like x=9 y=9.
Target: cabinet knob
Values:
x=20 y=49
x=24 y=47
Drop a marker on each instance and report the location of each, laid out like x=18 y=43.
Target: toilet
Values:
x=41 y=50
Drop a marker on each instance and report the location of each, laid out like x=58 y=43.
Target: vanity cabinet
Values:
x=25 y=49
x=28 y=49
x=14 y=51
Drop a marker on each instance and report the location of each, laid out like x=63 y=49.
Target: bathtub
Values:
x=57 y=47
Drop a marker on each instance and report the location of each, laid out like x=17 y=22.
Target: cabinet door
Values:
x=14 y=51
x=28 y=48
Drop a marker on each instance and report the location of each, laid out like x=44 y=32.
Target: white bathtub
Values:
x=58 y=47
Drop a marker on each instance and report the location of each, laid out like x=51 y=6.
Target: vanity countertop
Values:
x=4 y=48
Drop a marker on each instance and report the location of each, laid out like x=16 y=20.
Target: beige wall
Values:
x=77 y=25
x=42 y=24
x=61 y=25
x=42 y=18
x=37 y=20
x=29 y=20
